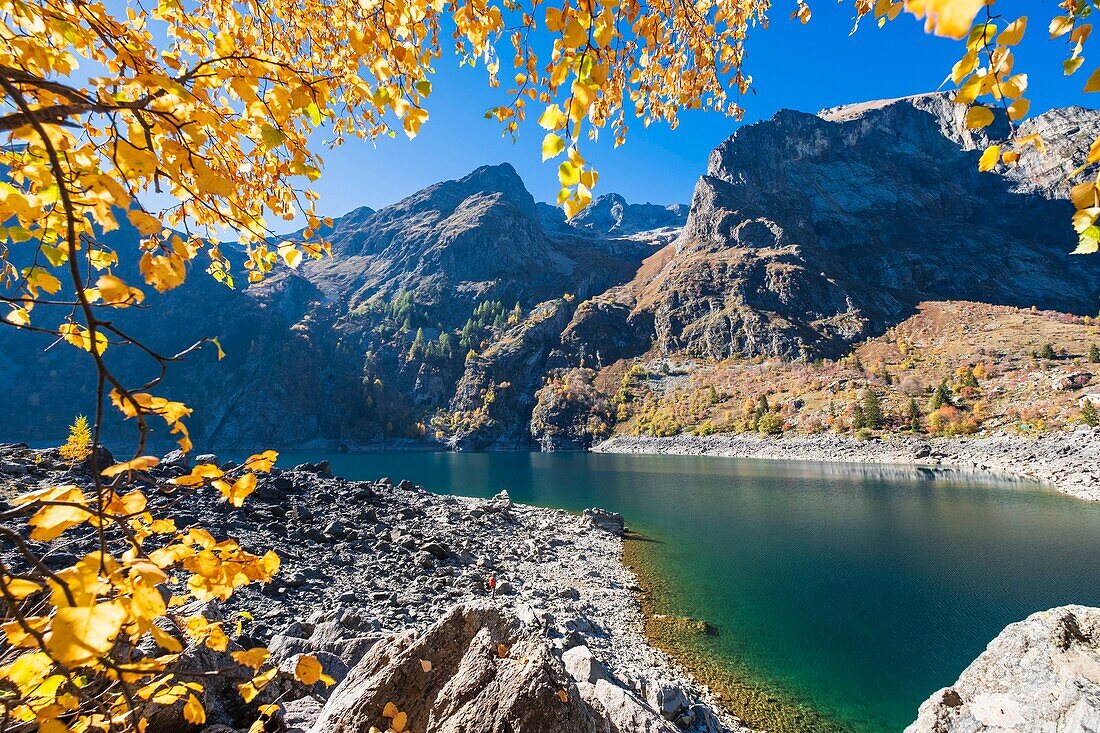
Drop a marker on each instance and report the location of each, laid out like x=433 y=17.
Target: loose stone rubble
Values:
x=379 y=575
x=1068 y=460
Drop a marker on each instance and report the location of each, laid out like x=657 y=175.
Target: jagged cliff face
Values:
x=443 y=316
x=810 y=232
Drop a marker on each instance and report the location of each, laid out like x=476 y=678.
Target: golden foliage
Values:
x=217 y=106
x=78 y=446
x=76 y=629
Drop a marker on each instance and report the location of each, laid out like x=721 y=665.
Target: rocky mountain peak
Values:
x=613 y=216
x=491 y=190
x=810 y=232
x=900 y=114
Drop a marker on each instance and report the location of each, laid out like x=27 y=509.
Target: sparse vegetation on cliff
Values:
x=953 y=369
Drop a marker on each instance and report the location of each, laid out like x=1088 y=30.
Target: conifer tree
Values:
x=914 y=415
x=941 y=397
x=872 y=410
x=416 y=350
x=859 y=420
x=1089 y=414
x=79 y=445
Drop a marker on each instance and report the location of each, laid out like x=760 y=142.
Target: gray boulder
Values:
x=602 y=519
x=582 y=666
x=1040 y=675
x=626 y=712
x=175 y=458
x=667 y=698
x=470 y=687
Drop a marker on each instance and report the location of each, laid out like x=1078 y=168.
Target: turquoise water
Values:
x=858 y=591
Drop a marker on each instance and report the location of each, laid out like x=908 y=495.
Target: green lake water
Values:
x=855 y=590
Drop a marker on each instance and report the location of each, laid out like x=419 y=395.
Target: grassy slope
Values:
x=1015 y=391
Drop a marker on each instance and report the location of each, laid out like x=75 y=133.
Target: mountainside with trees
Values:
x=469 y=315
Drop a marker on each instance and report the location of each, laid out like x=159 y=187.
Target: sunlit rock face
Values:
x=811 y=231
x=1039 y=674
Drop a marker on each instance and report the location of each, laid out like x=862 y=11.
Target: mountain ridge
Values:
x=443 y=316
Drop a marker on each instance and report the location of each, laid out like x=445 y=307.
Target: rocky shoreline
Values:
x=451 y=606
x=370 y=567
x=1068 y=461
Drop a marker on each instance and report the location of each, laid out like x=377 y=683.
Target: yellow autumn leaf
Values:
x=1086 y=244
x=399 y=722
x=19 y=588
x=574 y=35
x=262 y=462
x=964 y=67
x=239 y=490
x=253 y=658
x=425 y=665
x=193 y=711
x=1085 y=218
x=249 y=690
x=1093 y=83
x=389 y=710
x=1014 y=33
x=1061 y=25
x=568 y=174
x=1014 y=86
x=115 y=292
x=989 y=158
x=555 y=19
x=308 y=671
x=18 y=316
x=552 y=118
x=146 y=224
x=1032 y=139
x=40 y=277
x=1018 y=109
x=292 y=256
x=950 y=18
x=141 y=463
x=216 y=638
x=102 y=259
x=163 y=272
x=25 y=634
x=413 y=120
x=978 y=117
x=969 y=91
x=80 y=634
x=552 y=145
x=81 y=337
x=54 y=519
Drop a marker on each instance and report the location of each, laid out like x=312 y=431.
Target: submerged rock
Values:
x=602 y=519
x=1040 y=674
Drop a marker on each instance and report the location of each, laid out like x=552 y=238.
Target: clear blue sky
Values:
x=793 y=66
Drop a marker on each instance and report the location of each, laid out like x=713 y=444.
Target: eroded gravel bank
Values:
x=1068 y=461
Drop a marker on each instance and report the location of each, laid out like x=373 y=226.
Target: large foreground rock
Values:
x=1041 y=675
x=488 y=674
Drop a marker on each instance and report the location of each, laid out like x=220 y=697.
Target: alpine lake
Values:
x=837 y=597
